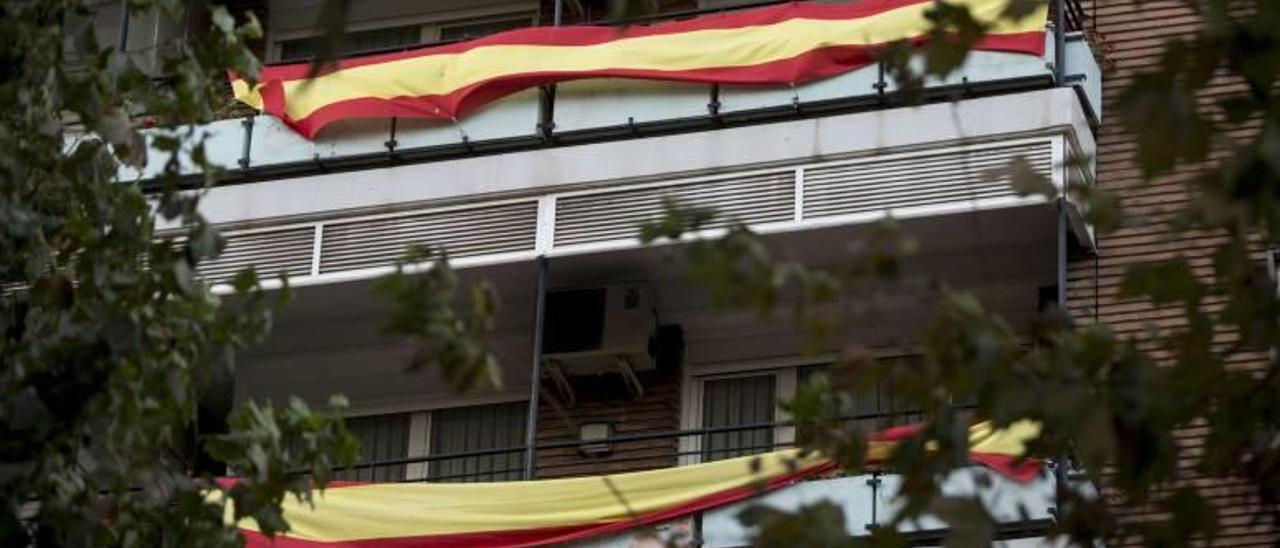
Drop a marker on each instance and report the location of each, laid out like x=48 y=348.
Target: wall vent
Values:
x=614 y=215
x=269 y=252
x=381 y=241
x=877 y=184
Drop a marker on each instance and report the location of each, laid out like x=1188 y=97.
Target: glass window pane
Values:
x=741 y=401
x=382 y=438
x=477 y=29
x=876 y=407
x=477 y=428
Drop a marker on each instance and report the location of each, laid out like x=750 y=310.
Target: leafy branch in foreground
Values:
x=423 y=310
x=108 y=340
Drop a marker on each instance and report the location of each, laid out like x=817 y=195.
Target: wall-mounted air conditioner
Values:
x=599 y=329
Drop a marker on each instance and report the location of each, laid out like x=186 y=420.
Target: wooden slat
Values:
x=1132 y=35
x=605 y=399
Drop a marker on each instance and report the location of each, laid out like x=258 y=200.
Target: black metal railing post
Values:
x=1059 y=41
x=535 y=378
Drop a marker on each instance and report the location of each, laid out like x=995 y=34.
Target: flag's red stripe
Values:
x=809 y=66
x=1017 y=468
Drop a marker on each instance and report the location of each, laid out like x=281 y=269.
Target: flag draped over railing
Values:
x=785 y=44
x=547 y=512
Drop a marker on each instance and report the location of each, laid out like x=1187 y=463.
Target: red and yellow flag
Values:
x=551 y=512
x=785 y=44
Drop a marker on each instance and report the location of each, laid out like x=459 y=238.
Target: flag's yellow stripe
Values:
x=411 y=510
x=424 y=509
x=440 y=74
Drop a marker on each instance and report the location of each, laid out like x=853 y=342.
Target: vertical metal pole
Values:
x=1059 y=42
x=559 y=13
x=1062 y=253
x=122 y=42
x=535 y=381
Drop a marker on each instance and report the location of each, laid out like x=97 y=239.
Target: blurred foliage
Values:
x=1112 y=405
x=423 y=293
x=108 y=340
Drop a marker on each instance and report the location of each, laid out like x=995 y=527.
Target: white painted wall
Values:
x=535 y=171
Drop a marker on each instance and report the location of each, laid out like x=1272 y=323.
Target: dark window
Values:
x=382 y=438
x=739 y=401
x=366 y=41
x=574 y=321
x=877 y=407
x=477 y=428
x=467 y=31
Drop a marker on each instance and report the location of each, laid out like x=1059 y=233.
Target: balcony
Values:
x=261 y=147
x=867 y=500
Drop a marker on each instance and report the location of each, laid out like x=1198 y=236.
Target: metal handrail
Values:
x=612 y=441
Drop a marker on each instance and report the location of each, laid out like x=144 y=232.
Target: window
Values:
x=382 y=438
x=475 y=29
x=879 y=408
x=305 y=49
x=738 y=401
x=460 y=430
x=478 y=428
x=296 y=50
x=733 y=397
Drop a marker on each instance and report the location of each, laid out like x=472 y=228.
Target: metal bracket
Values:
x=391 y=142
x=629 y=377
x=880 y=84
x=713 y=107
x=547 y=113
x=561 y=382
x=466 y=140
x=247 y=123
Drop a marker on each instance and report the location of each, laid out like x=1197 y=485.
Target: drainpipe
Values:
x=1060 y=474
x=122 y=42
x=535 y=382
x=1059 y=42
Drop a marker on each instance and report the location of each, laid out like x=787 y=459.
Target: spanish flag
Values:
x=552 y=512
x=785 y=44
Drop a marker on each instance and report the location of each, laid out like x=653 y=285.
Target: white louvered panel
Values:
x=916 y=180
x=269 y=252
x=613 y=215
x=366 y=243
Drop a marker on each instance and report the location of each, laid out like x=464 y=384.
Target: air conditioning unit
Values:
x=599 y=329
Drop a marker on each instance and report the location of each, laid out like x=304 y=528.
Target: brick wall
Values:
x=1131 y=34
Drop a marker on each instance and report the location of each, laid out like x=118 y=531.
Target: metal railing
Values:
x=1024 y=512
x=545 y=121
x=1074 y=14
x=626 y=452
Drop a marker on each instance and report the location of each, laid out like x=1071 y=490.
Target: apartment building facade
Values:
x=612 y=361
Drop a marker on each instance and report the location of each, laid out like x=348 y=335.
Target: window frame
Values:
x=691 y=416
x=420 y=426
x=786 y=381
x=429 y=26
